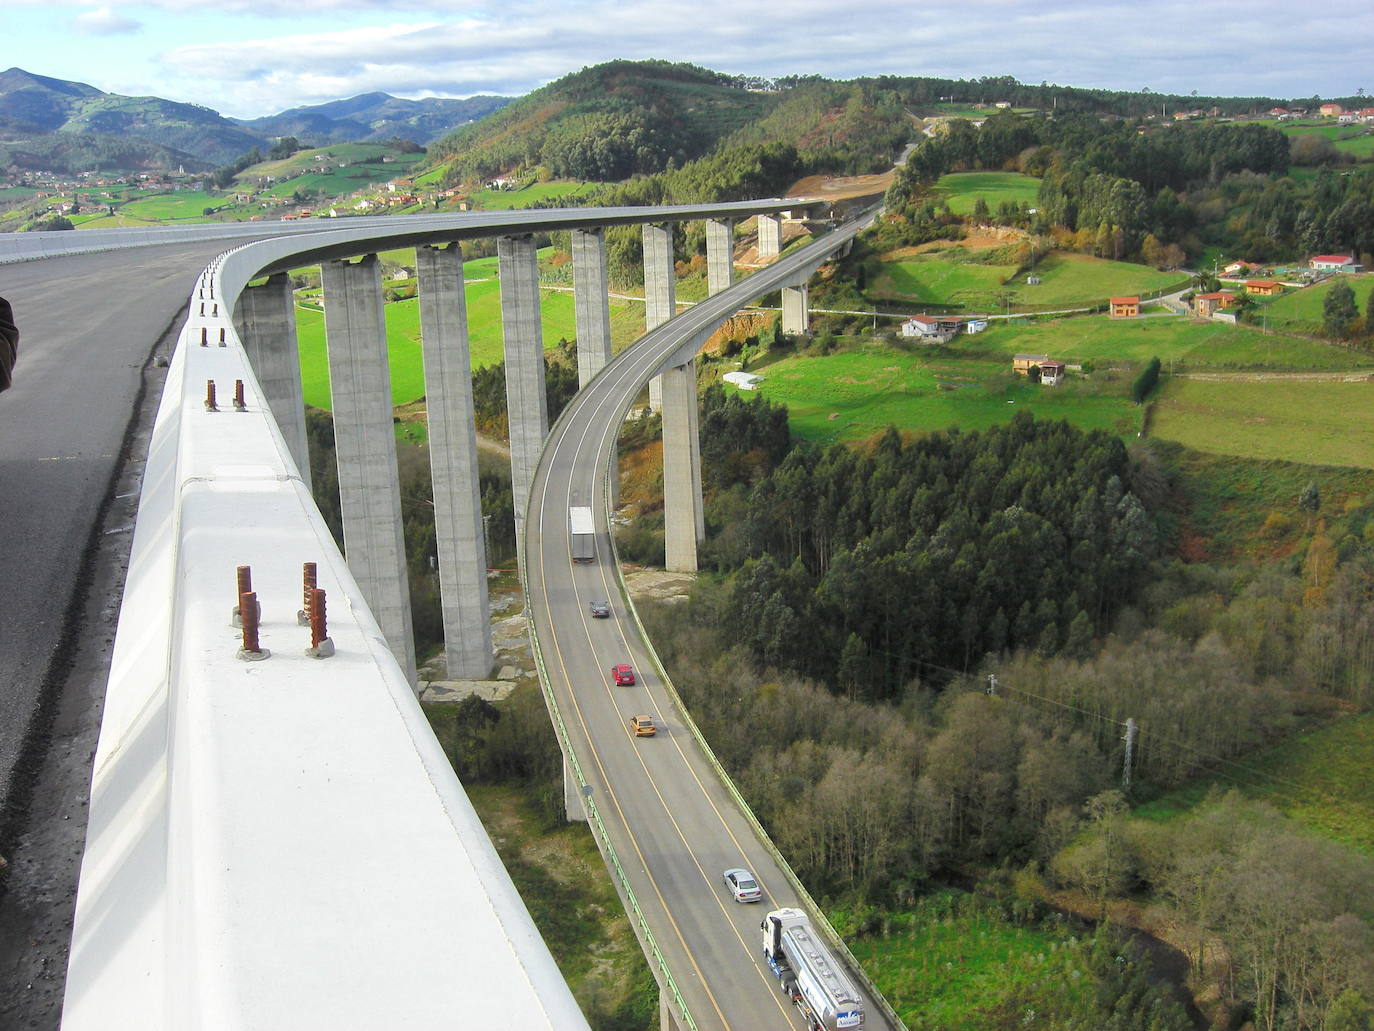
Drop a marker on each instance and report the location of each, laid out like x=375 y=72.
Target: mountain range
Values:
x=60 y=125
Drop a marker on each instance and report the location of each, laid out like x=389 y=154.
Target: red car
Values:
x=623 y=675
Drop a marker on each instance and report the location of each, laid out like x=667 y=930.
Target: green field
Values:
x=406 y=362
x=1320 y=779
x=1066 y=281
x=1321 y=422
x=1180 y=342
x=186 y=205
x=1301 y=310
x=505 y=200
x=1355 y=140
x=961 y=190
x=855 y=394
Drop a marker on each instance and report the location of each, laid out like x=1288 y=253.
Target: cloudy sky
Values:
x=255 y=57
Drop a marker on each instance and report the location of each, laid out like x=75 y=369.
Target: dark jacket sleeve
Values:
x=9 y=343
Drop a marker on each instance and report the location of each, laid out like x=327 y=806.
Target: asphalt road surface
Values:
x=674 y=826
x=89 y=326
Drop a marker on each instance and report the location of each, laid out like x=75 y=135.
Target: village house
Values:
x=1051 y=373
x=1367 y=114
x=1206 y=305
x=1277 y=112
x=931 y=328
x=1021 y=363
x=1333 y=263
x=1263 y=287
x=1330 y=110
x=1239 y=268
x=1125 y=307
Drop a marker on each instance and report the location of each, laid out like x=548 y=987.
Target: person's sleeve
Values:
x=9 y=343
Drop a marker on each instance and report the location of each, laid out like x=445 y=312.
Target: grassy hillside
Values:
x=1301 y=310
x=961 y=190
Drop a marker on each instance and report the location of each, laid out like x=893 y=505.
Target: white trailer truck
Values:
x=582 y=534
x=809 y=974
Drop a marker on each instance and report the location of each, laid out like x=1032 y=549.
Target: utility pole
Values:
x=992 y=684
x=1130 y=752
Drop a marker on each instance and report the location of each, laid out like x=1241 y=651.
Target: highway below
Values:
x=673 y=824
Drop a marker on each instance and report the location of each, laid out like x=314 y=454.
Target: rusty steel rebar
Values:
x=204 y=337
x=319 y=630
x=210 y=405
x=248 y=609
x=239 y=402
x=221 y=330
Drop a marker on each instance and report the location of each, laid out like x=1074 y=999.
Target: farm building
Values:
x=1021 y=363
x=975 y=325
x=1207 y=304
x=1051 y=373
x=1125 y=307
x=931 y=327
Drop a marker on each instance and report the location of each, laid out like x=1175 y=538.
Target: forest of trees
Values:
x=876 y=567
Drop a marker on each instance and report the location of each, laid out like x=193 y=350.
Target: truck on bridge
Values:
x=809 y=974
x=582 y=534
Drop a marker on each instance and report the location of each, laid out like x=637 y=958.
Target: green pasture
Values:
x=1179 y=342
x=1320 y=779
x=1355 y=140
x=961 y=190
x=368 y=154
x=1301 y=310
x=1066 y=281
x=855 y=394
x=172 y=207
x=485 y=335
x=1319 y=422
x=506 y=200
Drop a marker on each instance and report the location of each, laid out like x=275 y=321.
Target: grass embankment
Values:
x=562 y=880
x=1320 y=779
x=1300 y=311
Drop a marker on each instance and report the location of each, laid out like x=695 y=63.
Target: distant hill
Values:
x=608 y=122
x=372 y=117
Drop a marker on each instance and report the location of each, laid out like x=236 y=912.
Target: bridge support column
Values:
x=660 y=290
x=453 y=462
x=591 y=298
x=573 y=805
x=365 y=448
x=770 y=236
x=527 y=408
x=683 y=516
x=667 y=1016
x=720 y=254
x=266 y=322
x=795 y=318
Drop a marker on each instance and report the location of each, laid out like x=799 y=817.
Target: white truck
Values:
x=582 y=534
x=809 y=974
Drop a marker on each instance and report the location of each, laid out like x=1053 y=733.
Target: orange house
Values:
x=1125 y=307
x=1263 y=287
x=1206 y=304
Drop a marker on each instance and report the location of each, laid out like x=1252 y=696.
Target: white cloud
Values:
x=457 y=48
x=105 y=21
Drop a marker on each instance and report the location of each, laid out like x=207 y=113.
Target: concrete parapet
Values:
x=365 y=448
x=453 y=461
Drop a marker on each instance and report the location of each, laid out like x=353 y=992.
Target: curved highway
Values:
x=672 y=823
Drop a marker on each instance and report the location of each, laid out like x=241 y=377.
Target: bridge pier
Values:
x=795 y=317
x=265 y=318
x=573 y=805
x=770 y=236
x=660 y=290
x=527 y=408
x=365 y=448
x=591 y=299
x=684 y=517
x=720 y=254
x=668 y=1019
x=453 y=462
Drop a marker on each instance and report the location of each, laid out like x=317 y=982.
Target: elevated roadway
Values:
x=659 y=805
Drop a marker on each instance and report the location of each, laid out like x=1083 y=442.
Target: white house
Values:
x=975 y=325
x=1333 y=263
x=930 y=327
x=743 y=380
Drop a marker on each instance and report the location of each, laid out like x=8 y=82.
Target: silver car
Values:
x=742 y=885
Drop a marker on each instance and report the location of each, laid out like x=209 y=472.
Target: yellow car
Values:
x=643 y=726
